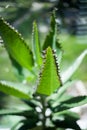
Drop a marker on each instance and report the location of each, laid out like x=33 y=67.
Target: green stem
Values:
x=43 y=112
x=43 y=101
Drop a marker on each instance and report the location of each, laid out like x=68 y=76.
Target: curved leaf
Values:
x=66 y=119
x=61 y=92
x=49 y=78
x=70 y=103
x=16 y=45
x=17 y=90
x=72 y=69
x=26 y=113
x=63 y=89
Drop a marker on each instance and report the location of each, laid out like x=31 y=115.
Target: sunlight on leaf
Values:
x=15 y=45
x=50 y=77
x=14 y=89
x=52 y=38
x=36 y=45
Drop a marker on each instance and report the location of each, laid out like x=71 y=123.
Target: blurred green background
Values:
x=72 y=35
x=22 y=13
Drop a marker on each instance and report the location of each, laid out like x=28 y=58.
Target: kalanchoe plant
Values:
x=48 y=104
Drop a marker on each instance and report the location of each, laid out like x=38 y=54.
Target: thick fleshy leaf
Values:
x=52 y=38
x=30 y=123
x=17 y=90
x=32 y=103
x=16 y=45
x=68 y=113
x=61 y=91
x=36 y=45
x=18 y=69
x=72 y=69
x=26 y=113
x=50 y=77
x=64 y=88
x=70 y=103
x=66 y=119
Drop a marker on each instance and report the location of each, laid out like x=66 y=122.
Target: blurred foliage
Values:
x=46 y=104
x=21 y=14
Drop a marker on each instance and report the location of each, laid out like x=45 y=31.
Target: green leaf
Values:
x=18 y=69
x=52 y=38
x=27 y=123
x=36 y=45
x=16 y=45
x=32 y=103
x=25 y=113
x=74 y=115
x=66 y=119
x=17 y=90
x=72 y=69
x=50 y=78
x=70 y=103
x=61 y=91
x=30 y=123
x=59 y=51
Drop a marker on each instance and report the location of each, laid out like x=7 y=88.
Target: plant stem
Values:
x=43 y=112
x=43 y=101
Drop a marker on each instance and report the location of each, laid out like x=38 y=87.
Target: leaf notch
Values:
x=49 y=77
x=15 y=45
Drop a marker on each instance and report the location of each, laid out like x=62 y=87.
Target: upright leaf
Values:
x=72 y=69
x=18 y=69
x=16 y=45
x=50 y=78
x=63 y=89
x=52 y=38
x=17 y=90
x=61 y=93
x=36 y=45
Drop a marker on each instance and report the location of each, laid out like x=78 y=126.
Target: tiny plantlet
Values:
x=45 y=89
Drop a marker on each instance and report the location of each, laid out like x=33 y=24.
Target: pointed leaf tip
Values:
x=50 y=77
x=15 y=45
x=36 y=45
x=15 y=89
x=52 y=37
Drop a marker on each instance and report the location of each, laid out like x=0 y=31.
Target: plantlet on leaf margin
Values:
x=12 y=41
x=49 y=77
x=57 y=102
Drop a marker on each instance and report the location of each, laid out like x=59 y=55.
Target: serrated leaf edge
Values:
x=16 y=31
x=56 y=64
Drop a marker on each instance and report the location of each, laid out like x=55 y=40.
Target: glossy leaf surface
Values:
x=14 y=89
x=70 y=103
x=36 y=45
x=16 y=45
x=49 y=77
x=52 y=37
